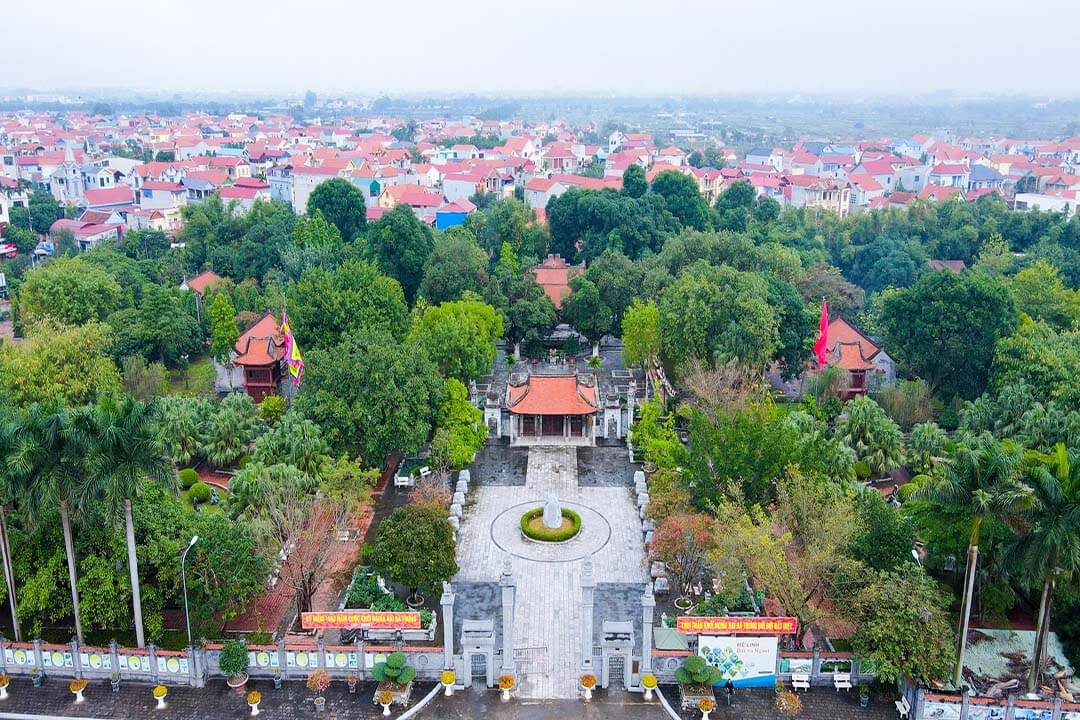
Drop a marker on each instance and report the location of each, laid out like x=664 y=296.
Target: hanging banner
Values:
x=749 y=625
x=746 y=661
x=360 y=620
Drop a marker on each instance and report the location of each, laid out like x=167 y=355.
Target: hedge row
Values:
x=545 y=534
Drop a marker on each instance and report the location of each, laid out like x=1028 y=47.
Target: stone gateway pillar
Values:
x=506 y=582
x=447 y=603
x=648 y=606
x=588 y=590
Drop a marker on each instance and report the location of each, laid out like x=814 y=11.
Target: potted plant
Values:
x=76 y=687
x=4 y=682
x=706 y=706
x=277 y=681
x=159 y=692
x=447 y=678
x=352 y=680
x=395 y=675
x=317 y=682
x=114 y=680
x=37 y=676
x=588 y=682
x=864 y=696
x=506 y=684
x=788 y=702
x=696 y=679
x=253 y=699
x=233 y=662
x=648 y=681
x=384 y=698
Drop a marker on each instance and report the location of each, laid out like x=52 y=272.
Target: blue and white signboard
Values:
x=746 y=660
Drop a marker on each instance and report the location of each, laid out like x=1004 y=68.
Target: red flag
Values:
x=822 y=343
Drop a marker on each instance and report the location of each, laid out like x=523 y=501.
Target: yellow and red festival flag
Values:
x=293 y=357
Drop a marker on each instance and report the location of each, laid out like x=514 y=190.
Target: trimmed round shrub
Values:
x=233 y=659
x=200 y=493
x=394 y=669
x=546 y=534
x=187 y=477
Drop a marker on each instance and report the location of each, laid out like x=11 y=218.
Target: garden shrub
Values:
x=233 y=659
x=199 y=493
x=187 y=478
x=546 y=534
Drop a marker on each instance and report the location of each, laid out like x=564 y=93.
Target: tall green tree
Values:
x=68 y=290
x=51 y=444
x=984 y=480
x=372 y=394
x=903 y=626
x=326 y=305
x=1047 y=551
x=683 y=199
x=634 y=183
x=223 y=330
x=460 y=337
x=618 y=280
x=944 y=329
x=641 y=334
x=587 y=313
x=456 y=265
x=126 y=452
x=342 y=204
x=400 y=244
x=414 y=546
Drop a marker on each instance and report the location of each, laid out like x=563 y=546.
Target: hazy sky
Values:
x=516 y=47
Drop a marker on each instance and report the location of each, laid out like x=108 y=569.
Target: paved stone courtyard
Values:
x=547 y=617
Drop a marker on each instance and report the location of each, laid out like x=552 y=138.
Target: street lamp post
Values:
x=183 y=581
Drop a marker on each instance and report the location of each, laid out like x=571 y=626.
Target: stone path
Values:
x=547 y=617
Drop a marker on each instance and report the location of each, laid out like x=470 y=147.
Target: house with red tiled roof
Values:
x=552 y=409
x=554 y=275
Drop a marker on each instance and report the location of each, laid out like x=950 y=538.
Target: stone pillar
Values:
x=648 y=606
x=588 y=589
x=360 y=657
x=447 y=603
x=631 y=400
x=75 y=658
x=506 y=582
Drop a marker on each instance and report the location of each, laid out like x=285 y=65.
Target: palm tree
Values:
x=1050 y=547
x=47 y=462
x=126 y=452
x=982 y=481
x=8 y=428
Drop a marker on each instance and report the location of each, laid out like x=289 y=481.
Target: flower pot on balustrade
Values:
x=237 y=682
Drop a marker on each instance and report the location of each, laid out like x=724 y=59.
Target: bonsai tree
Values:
x=233 y=660
x=394 y=670
x=695 y=671
x=414 y=546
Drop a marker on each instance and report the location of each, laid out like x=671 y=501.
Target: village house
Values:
x=869 y=368
x=87 y=234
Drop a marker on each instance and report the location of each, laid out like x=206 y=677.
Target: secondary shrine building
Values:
x=552 y=409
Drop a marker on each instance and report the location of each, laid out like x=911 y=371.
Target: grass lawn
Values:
x=198 y=379
x=207 y=507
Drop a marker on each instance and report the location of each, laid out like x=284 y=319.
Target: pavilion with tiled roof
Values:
x=259 y=351
x=552 y=409
x=861 y=357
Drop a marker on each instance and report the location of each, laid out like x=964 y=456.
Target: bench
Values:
x=425 y=471
x=841 y=681
x=903 y=707
x=800 y=681
x=404 y=481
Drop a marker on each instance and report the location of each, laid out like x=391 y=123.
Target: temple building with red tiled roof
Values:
x=552 y=409
x=256 y=359
x=867 y=364
x=554 y=275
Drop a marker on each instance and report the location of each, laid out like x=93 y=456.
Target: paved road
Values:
x=547 y=617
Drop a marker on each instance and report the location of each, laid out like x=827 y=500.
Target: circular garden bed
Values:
x=533 y=527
